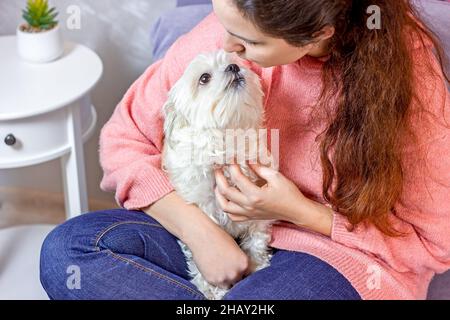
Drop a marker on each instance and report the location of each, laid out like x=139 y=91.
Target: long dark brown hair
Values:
x=370 y=75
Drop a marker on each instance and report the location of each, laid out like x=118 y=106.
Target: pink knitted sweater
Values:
x=379 y=267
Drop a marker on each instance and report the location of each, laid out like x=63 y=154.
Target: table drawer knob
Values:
x=10 y=140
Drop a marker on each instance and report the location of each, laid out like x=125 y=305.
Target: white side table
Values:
x=46 y=113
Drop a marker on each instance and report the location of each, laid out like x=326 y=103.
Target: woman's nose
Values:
x=231 y=45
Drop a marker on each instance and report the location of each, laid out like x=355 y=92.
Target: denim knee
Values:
x=52 y=251
x=71 y=243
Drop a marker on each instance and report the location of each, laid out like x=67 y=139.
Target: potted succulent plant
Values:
x=39 y=39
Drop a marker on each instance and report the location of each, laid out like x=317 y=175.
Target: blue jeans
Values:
x=121 y=254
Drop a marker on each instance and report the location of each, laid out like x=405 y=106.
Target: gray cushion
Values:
x=440 y=287
x=171 y=25
x=181 y=3
x=437 y=15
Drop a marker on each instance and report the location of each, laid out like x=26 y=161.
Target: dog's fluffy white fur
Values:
x=210 y=97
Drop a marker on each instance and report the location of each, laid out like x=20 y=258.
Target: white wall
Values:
x=118 y=30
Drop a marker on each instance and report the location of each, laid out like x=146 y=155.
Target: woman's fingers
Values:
x=231 y=193
x=234 y=211
x=242 y=181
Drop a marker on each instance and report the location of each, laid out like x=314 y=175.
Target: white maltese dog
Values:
x=215 y=103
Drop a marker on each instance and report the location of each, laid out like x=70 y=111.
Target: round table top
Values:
x=29 y=89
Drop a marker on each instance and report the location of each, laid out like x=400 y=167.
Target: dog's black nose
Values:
x=233 y=68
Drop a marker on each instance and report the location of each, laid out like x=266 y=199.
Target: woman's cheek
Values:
x=256 y=55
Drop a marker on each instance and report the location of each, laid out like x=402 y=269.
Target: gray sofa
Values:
x=188 y=13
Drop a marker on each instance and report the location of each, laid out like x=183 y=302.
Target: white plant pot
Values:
x=40 y=47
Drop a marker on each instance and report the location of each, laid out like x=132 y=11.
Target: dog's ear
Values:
x=168 y=112
x=172 y=120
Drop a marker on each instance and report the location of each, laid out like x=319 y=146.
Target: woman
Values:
x=360 y=106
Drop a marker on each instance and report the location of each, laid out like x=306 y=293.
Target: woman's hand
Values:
x=218 y=257
x=278 y=199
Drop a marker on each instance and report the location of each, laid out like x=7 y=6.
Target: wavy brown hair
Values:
x=370 y=76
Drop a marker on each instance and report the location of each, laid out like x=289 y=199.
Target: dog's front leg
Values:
x=255 y=245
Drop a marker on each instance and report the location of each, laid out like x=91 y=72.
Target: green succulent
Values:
x=39 y=15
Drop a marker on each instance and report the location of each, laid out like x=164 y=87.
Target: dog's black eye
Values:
x=205 y=78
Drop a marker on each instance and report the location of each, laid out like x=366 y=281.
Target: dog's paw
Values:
x=209 y=291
